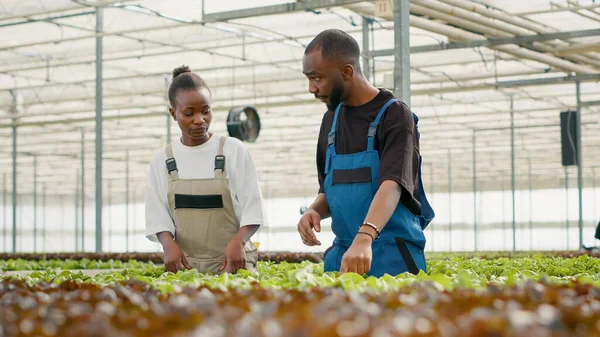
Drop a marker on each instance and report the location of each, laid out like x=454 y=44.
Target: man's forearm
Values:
x=320 y=206
x=383 y=206
x=245 y=233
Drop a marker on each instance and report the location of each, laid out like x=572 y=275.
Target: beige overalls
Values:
x=204 y=217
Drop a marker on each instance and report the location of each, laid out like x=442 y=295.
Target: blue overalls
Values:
x=351 y=181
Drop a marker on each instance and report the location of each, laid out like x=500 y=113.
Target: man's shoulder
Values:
x=328 y=115
x=327 y=121
x=398 y=111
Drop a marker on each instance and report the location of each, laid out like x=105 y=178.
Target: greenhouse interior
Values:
x=492 y=211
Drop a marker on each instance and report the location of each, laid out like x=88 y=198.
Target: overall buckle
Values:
x=219 y=162
x=171 y=165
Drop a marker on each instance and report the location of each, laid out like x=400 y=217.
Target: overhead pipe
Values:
x=45 y=19
x=511 y=19
x=459 y=34
x=92 y=36
x=578 y=48
x=498 y=26
x=475 y=22
x=498 y=15
x=577 y=11
x=62 y=9
x=554 y=10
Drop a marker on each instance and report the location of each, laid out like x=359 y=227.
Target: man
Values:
x=368 y=166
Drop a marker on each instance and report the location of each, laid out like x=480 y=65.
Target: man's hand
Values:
x=174 y=258
x=358 y=257
x=310 y=220
x=235 y=256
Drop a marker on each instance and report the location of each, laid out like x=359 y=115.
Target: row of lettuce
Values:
x=450 y=273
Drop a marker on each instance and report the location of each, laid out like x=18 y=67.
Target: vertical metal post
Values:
x=512 y=172
x=44 y=225
x=503 y=213
x=579 y=163
x=474 y=192
x=366 y=66
x=35 y=203
x=99 y=130
x=4 y=213
x=449 y=200
x=402 y=50
x=14 y=173
x=82 y=191
x=77 y=211
x=530 y=206
x=62 y=221
x=127 y=200
x=109 y=216
x=567 y=204
x=134 y=215
x=20 y=199
x=594 y=192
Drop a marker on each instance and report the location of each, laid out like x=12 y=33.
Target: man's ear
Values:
x=347 y=72
x=172 y=112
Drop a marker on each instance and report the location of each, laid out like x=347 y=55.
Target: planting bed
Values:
x=538 y=295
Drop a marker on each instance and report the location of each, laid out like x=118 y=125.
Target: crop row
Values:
x=134 y=308
x=447 y=274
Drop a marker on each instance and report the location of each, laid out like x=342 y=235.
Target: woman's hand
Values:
x=235 y=256
x=174 y=258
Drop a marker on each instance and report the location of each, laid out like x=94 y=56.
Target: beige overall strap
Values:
x=174 y=174
x=220 y=173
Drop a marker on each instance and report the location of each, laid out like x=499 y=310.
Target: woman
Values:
x=203 y=200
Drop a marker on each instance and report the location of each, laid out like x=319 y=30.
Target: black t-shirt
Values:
x=396 y=141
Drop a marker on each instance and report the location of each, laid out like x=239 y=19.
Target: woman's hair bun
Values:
x=180 y=70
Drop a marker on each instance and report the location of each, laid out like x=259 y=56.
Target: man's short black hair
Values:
x=336 y=45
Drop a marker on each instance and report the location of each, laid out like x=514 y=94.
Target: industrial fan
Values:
x=243 y=123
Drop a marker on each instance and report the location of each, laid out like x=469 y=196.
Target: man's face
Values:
x=325 y=79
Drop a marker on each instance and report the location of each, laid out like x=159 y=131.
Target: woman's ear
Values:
x=172 y=112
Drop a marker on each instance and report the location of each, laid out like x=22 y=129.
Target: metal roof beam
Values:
x=517 y=40
x=62 y=9
x=46 y=19
x=289 y=7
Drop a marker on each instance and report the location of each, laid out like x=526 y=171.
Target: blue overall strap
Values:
x=373 y=126
x=427 y=212
x=416 y=119
x=331 y=139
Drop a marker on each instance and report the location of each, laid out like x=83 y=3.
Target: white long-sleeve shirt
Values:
x=198 y=162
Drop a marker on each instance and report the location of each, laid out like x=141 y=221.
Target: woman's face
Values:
x=193 y=114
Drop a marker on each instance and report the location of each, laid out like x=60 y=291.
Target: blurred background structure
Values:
x=83 y=107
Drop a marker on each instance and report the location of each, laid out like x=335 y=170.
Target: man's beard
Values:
x=336 y=95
